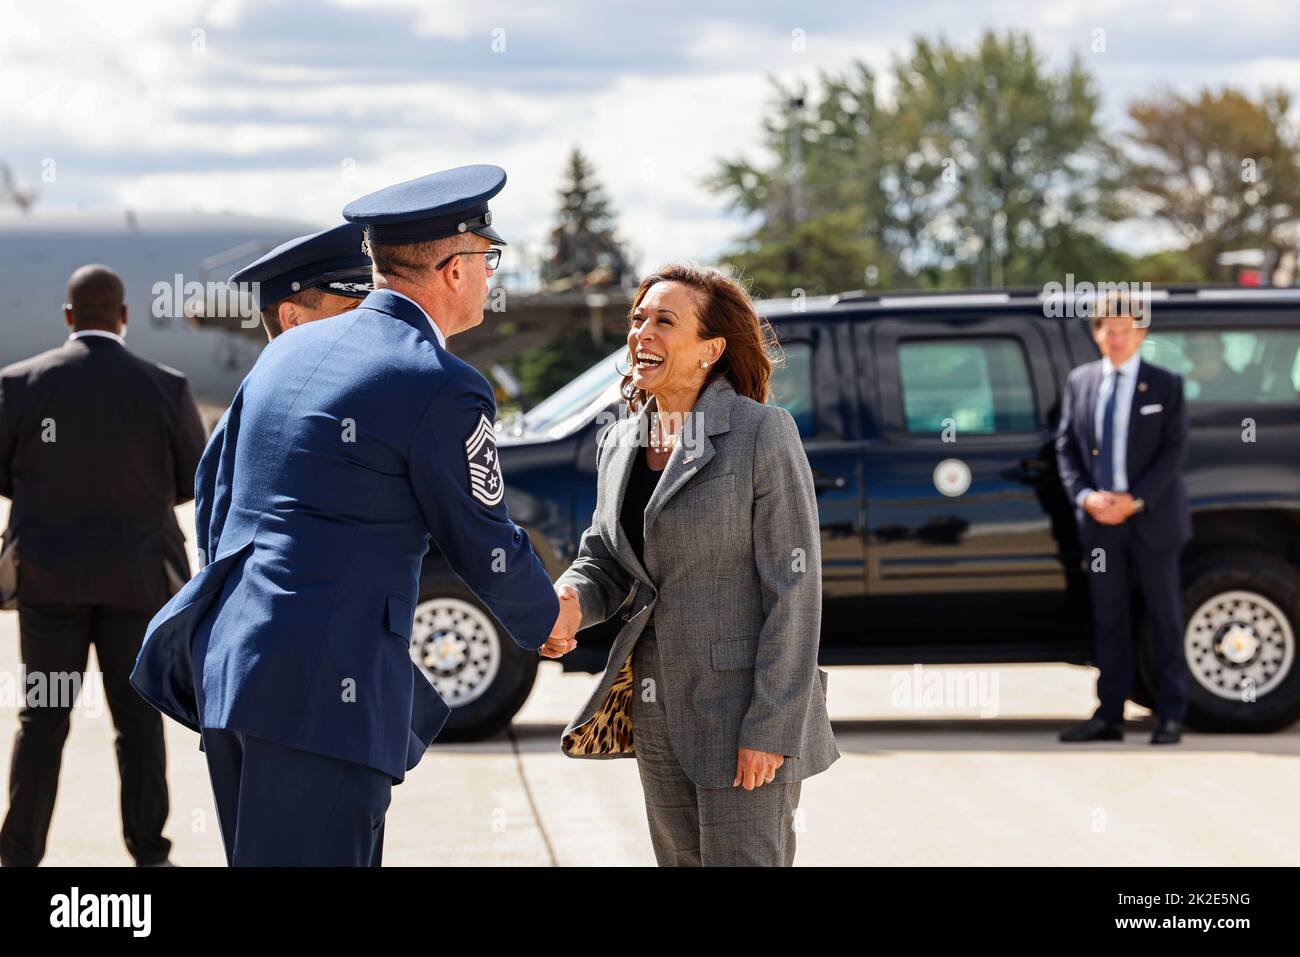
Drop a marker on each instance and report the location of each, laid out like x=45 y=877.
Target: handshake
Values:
x=566 y=624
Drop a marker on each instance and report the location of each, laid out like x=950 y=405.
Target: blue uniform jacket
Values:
x=351 y=442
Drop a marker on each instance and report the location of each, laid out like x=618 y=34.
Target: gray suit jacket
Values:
x=733 y=576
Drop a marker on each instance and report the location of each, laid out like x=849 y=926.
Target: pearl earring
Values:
x=703 y=364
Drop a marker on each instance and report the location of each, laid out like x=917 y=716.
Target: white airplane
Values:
x=157 y=255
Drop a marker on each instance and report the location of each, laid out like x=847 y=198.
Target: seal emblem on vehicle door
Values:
x=952 y=477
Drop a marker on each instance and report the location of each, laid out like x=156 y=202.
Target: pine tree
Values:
x=585 y=251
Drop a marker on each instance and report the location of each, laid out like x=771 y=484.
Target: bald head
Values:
x=96 y=299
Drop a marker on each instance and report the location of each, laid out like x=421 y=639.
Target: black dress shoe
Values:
x=1094 y=729
x=1167 y=732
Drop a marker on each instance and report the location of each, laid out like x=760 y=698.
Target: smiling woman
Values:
x=677 y=311
x=712 y=534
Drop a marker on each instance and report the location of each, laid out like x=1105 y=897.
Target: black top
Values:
x=93 y=513
x=640 y=486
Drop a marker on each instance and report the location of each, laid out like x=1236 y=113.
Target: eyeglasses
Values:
x=490 y=257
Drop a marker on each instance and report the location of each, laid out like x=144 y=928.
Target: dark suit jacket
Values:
x=1156 y=447
x=97 y=447
x=352 y=442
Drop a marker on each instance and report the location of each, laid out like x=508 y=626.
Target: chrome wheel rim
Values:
x=457 y=647
x=1239 y=644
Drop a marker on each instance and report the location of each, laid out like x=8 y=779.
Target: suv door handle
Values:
x=823 y=482
x=1028 y=471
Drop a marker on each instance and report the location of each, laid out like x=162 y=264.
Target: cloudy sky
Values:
x=290 y=109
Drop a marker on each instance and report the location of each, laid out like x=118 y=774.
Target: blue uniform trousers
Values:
x=283 y=807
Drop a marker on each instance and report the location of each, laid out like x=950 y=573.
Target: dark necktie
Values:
x=1106 y=455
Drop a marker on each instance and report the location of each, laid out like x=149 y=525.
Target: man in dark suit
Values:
x=1120 y=449
x=97 y=447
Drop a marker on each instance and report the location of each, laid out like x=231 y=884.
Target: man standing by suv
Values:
x=1120 y=449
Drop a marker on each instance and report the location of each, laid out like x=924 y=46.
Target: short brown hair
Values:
x=1111 y=304
x=725 y=310
x=310 y=298
x=410 y=261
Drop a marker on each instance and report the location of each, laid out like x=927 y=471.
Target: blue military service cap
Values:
x=431 y=207
x=332 y=260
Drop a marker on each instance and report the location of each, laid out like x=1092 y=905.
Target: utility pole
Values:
x=794 y=148
x=980 y=277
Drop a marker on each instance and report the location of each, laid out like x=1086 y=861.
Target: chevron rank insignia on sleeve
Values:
x=485 y=482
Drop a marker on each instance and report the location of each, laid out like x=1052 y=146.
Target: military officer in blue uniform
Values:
x=355 y=440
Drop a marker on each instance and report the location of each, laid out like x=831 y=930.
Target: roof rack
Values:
x=930 y=298
x=1248 y=292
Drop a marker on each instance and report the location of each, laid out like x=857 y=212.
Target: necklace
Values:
x=660 y=446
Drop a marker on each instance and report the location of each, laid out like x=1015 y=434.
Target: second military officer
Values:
x=304 y=280
x=309 y=278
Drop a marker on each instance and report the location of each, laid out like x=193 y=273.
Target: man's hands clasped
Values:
x=1110 y=508
x=567 y=623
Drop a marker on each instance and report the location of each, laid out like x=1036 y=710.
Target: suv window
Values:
x=981 y=383
x=792 y=386
x=1259 y=366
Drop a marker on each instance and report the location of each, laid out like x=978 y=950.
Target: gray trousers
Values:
x=692 y=826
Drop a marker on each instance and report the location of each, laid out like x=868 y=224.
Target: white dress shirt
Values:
x=442 y=340
x=81 y=333
x=1123 y=406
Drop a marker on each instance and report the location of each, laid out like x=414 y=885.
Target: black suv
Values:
x=929 y=422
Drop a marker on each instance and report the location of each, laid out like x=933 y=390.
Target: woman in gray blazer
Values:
x=706 y=539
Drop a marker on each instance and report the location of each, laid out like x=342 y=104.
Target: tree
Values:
x=1221 y=169
x=585 y=251
x=1166 y=267
x=1007 y=173
x=984 y=168
x=821 y=206
x=544 y=370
